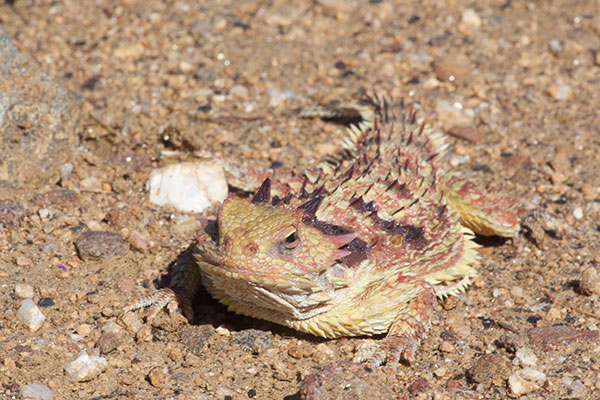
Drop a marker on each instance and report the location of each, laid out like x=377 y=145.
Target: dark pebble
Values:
x=552 y=334
x=101 y=245
x=11 y=213
x=253 y=340
x=346 y=380
x=108 y=342
x=196 y=337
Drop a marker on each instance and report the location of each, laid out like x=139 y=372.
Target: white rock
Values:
x=533 y=374
x=526 y=357
x=30 y=315
x=23 y=290
x=188 y=186
x=578 y=213
x=519 y=386
x=36 y=391
x=85 y=367
x=239 y=91
x=471 y=18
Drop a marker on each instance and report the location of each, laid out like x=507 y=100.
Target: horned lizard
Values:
x=361 y=245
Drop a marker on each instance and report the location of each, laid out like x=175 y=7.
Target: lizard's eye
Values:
x=291 y=241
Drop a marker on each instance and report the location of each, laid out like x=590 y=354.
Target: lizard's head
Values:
x=270 y=245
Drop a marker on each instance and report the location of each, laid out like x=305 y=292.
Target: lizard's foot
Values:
x=160 y=299
x=389 y=351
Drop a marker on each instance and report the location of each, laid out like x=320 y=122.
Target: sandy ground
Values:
x=224 y=77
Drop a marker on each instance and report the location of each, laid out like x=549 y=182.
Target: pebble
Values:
x=65 y=171
x=560 y=92
x=447 y=347
x=347 y=380
x=453 y=68
x=525 y=356
x=132 y=322
x=239 y=91
x=11 y=213
x=108 y=342
x=489 y=368
x=24 y=290
x=469 y=133
x=520 y=386
x=36 y=391
x=188 y=186
x=101 y=245
x=590 y=281
x=277 y=97
x=196 y=338
x=451 y=114
x=471 y=18
x=84 y=329
x=578 y=212
x=157 y=377
x=253 y=340
x=30 y=315
x=553 y=334
x=577 y=389
x=555 y=46
x=85 y=367
x=418 y=386
x=533 y=374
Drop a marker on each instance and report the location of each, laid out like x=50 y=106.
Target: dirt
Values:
x=222 y=79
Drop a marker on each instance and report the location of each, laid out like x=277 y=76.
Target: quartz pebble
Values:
x=471 y=18
x=520 y=386
x=525 y=356
x=36 y=391
x=590 y=281
x=85 y=367
x=24 y=290
x=30 y=315
x=578 y=213
x=188 y=186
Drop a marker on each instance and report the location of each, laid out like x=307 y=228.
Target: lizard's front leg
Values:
x=406 y=331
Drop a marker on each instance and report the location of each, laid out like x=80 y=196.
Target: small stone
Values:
x=578 y=212
x=451 y=114
x=555 y=46
x=488 y=369
x=85 y=368
x=30 y=315
x=45 y=214
x=553 y=314
x=101 y=245
x=533 y=374
x=108 y=342
x=440 y=372
x=196 y=338
x=157 y=377
x=420 y=385
x=132 y=322
x=447 y=347
x=453 y=68
x=84 y=329
x=138 y=242
x=560 y=92
x=239 y=91
x=520 y=386
x=277 y=97
x=597 y=58
x=516 y=292
x=24 y=291
x=253 y=340
x=65 y=171
x=11 y=213
x=36 y=391
x=188 y=186
x=526 y=357
x=560 y=162
x=469 y=133
x=347 y=380
x=553 y=334
x=577 y=389
x=336 y=6
x=471 y=18
x=590 y=281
